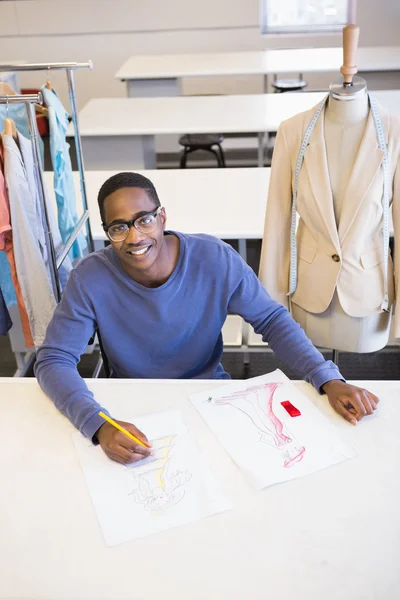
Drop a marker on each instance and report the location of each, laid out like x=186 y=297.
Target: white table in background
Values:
x=119 y=133
x=333 y=534
x=227 y=203
x=160 y=75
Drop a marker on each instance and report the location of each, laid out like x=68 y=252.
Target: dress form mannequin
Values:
x=344 y=125
x=336 y=168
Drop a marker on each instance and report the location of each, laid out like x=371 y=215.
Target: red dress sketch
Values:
x=257 y=404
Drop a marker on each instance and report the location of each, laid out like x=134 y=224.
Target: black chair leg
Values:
x=221 y=152
x=183 y=159
x=216 y=156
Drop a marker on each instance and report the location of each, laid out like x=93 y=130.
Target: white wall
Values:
x=109 y=31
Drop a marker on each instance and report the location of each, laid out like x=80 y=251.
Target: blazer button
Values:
x=336 y=257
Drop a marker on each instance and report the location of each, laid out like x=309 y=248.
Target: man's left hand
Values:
x=351 y=402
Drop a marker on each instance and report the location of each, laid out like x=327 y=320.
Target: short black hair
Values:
x=126 y=180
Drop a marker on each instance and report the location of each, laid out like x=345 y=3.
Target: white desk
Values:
x=334 y=534
x=160 y=75
x=119 y=133
x=227 y=203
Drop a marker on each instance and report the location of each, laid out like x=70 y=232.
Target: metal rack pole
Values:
x=62 y=256
x=78 y=148
x=46 y=66
x=21 y=98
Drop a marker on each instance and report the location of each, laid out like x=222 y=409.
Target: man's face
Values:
x=139 y=250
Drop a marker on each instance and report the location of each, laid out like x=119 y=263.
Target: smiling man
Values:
x=159 y=299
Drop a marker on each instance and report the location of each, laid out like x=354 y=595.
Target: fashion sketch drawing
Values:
x=158 y=485
x=256 y=403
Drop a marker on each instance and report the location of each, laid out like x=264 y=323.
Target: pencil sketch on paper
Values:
x=171 y=487
x=157 y=485
x=256 y=402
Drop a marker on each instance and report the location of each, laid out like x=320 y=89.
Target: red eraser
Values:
x=290 y=409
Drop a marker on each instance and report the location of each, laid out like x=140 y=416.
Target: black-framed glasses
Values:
x=146 y=223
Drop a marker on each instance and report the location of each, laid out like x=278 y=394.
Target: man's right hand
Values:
x=118 y=446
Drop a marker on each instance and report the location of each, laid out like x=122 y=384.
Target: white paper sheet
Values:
x=268 y=445
x=171 y=488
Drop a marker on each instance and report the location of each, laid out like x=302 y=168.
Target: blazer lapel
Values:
x=366 y=166
x=315 y=161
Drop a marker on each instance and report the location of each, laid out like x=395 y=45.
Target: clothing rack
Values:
x=69 y=68
x=24 y=358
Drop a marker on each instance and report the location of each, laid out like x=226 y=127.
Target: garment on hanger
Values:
x=40 y=225
x=17 y=112
x=37 y=224
x=5 y=321
x=347 y=257
x=11 y=77
x=36 y=287
x=63 y=180
x=9 y=283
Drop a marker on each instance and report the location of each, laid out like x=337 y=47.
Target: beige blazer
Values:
x=348 y=257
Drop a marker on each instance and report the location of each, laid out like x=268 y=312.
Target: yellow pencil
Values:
x=123 y=430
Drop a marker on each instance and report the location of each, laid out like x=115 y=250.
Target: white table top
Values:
x=227 y=203
x=334 y=534
x=304 y=60
x=202 y=114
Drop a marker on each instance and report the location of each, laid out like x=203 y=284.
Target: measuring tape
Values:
x=385 y=198
x=299 y=163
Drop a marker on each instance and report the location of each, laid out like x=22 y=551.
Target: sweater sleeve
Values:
x=67 y=336
x=251 y=301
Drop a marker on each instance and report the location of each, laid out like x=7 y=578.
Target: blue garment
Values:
x=63 y=181
x=172 y=331
x=5 y=321
x=6 y=284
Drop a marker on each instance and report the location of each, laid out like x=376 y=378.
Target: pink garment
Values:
x=6 y=244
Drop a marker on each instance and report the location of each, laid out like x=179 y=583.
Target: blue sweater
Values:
x=172 y=331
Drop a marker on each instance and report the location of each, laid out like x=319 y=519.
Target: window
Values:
x=305 y=16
